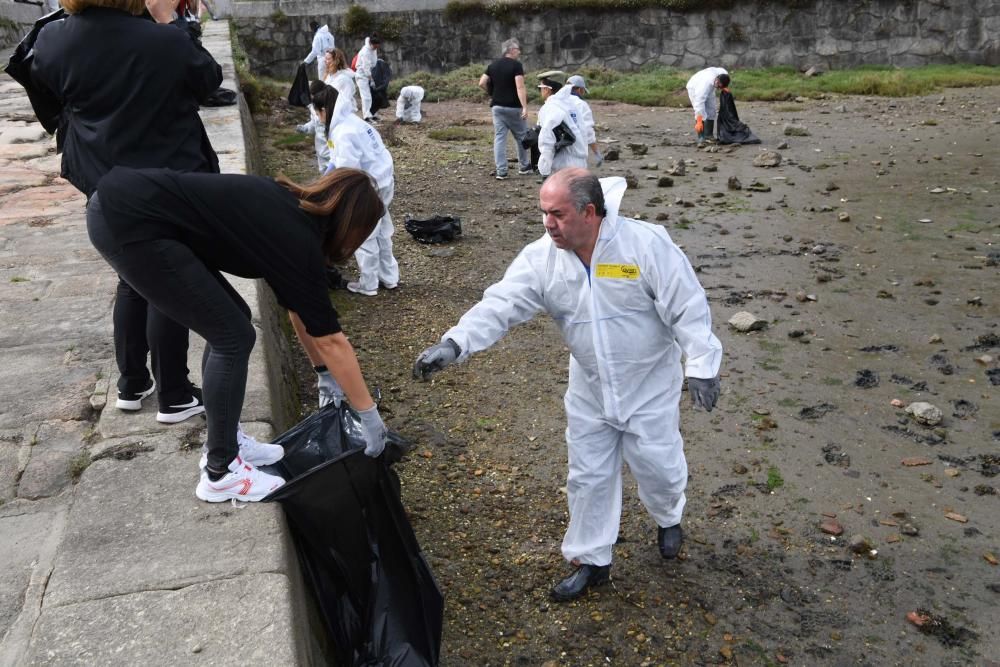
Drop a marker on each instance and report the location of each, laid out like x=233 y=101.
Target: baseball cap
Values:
x=555 y=75
x=576 y=81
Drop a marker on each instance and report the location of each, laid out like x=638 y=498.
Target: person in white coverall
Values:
x=408 y=104
x=559 y=107
x=629 y=307
x=367 y=58
x=357 y=145
x=340 y=76
x=701 y=91
x=317 y=128
x=586 y=116
x=322 y=42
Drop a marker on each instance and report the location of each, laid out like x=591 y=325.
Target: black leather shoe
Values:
x=577 y=583
x=670 y=540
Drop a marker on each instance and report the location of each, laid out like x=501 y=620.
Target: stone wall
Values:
x=830 y=34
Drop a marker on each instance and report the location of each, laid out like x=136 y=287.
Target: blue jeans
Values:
x=176 y=282
x=508 y=119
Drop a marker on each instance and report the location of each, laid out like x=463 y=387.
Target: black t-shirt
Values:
x=249 y=226
x=502 y=72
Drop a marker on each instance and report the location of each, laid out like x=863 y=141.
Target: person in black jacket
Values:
x=129 y=89
x=171 y=234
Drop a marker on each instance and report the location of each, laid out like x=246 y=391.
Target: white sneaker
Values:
x=388 y=285
x=357 y=289
x=242 y=482
x=253 y=452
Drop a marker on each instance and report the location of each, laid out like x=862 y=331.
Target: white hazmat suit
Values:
x=701 y=92
x=343 y=82
x=560 y=107
x=357 y=145
x=367 y=58
x=408 y=104
x=627 y=320
x=585 y=118
x=315 y=127
x=322 y=42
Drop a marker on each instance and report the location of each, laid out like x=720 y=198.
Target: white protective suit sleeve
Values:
x=700 y=87
x=320 y=44
x=682 y=305
x=346 y=152
x=586 y=121
x=505 y=304
x=549 y=117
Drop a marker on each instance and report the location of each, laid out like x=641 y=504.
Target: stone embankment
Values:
x=107 y=556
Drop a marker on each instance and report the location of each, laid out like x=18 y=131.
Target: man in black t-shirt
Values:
x=504 y=81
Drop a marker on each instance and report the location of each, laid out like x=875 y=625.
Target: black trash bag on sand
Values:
x=436 y=229
x=47 y=108
x=298 y=95
x=378 y=598
x=729 y=128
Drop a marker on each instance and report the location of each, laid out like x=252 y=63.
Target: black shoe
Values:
x=173 y=414
x=577 y=583
x=670 y=540
x=129 y=401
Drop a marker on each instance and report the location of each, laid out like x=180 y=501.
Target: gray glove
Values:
x=329 y=390
x=704 y=393
x=598 y=158
x=435 y=358
x=374 y=431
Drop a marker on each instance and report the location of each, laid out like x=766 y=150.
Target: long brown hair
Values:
x=346 y=199
x=134 y=7
x=339 y=60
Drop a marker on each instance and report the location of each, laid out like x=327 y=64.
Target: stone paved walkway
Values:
x=106 y=556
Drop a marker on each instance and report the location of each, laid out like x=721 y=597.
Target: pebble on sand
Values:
x=746 y=322
x=925 y=413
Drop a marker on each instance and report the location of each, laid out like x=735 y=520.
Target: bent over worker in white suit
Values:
x=701 y=91
x=629 y=307
x=356 y=144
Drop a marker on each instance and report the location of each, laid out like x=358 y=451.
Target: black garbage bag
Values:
x=381 y=76
x=377 y=596
x=220 y=97
x=435 y=229
x=47 y=108
x=298 y=95
x=729 y=128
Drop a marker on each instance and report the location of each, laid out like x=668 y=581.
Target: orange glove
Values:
x=699 y=124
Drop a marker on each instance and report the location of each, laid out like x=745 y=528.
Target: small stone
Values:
x=990 y=558
x=746 y=322
x=934 y=339
x=612 y=155
x=925 y=413
x=831 y=527
x=952 y=472
x=638 y=149
x=843 y=217
x=914 y=461
x=896 y=403
x=739 y=469
x=859 y=544
x=955 y=516
x=710 y=168
x=793 y=130
x=630 y=180
x=782 y=146
x=840 y=108
x=984 y=360
x=909 y=529
x=767 y=159
x=757 y=186
x=813 y=71
x=925 y=221
x=734 y=183
x=665 y=182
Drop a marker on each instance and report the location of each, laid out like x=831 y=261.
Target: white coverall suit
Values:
x=627 y=320
x=585 y=118
x=560 y=107
x=343 y=82
x=315 y=127
x=357 y=145
x=701 y=92
x=408 y=104
x=367 y=59
x=322 y=42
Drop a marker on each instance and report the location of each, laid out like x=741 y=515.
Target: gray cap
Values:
x=576 y=81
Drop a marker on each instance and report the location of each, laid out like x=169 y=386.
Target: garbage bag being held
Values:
x=299 y=95
x=729 y=127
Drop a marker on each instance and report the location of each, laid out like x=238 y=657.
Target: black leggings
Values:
x=175 y=281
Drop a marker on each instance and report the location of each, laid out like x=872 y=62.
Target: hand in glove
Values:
x=374 y=431
x=435 y=358
x=704 y=393
x=329 y=390
x=598 y=158
x=699 y=124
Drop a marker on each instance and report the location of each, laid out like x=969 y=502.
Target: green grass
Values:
x=774 y=478
x=18 y=279
x=292 y=139
x=455 y=134
x=664 y=86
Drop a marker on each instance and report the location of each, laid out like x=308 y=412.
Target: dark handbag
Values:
x=220 y=97
x=299 y=95
x=46 y=106
x=530 y=138
x=564 y=136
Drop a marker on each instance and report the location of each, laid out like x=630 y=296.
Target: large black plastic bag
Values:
x=298 y=95
x=47 y=108
x=435 y=229
x=378 y=597
x=729 y=127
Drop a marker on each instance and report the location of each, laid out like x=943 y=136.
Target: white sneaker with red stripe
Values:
x=242 y=482
x=253 y=452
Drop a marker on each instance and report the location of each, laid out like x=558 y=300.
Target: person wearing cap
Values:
x=701 y=91
x=366 y=60
x=322 y=42
x=559 y=110
x=504 y=81
x=579 y=87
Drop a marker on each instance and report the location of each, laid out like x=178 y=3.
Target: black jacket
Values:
x=130 y=90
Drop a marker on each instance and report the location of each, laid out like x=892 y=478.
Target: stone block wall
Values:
x=830 y=34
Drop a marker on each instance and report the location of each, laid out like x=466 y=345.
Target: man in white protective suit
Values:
x=357 y=145
x=367 y=57
x=408 y=104
x=560 y=107
x=586 y=116
x=629 y=307
x=701 y=91
x=322 y=42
